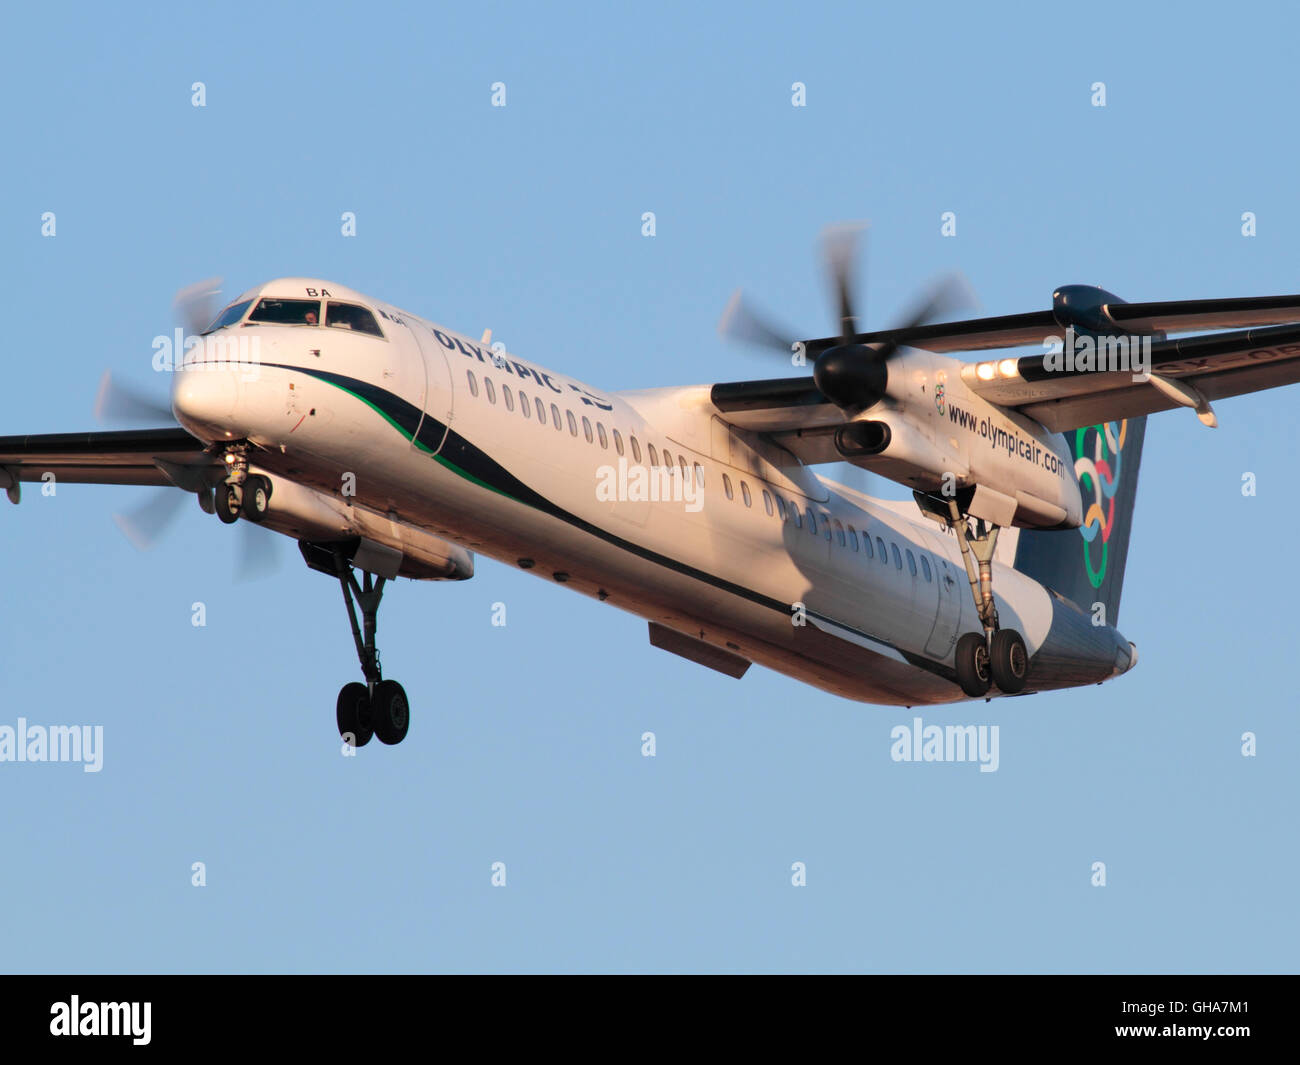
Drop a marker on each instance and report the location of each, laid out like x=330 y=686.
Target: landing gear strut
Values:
x=228 y=496
x=378 y=707
x=999 y=656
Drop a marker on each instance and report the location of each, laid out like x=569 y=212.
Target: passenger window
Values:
x=726 y=487
x=744 y=494
x=884 y=555
x=812 y=522
x=586 y=428
x=839 y=532
x=351 y=316
x=911 y=563
x=794 y=513
x=600 y=434
x=618 y=441
x=636 y=449
x=898 y=559
x=780 y=508
x=573 y=423
x=525 y=406
x=668 y=462
x=508 y=397
x=925 y=568
x=853 y=538
x=866 y=545
x=490 y=389
x=686 y=470
x=654 y=455
x=555 y=417
x=699 y=475
x=826 y=526
x=541 y=412
x=473 y=384
x=286 y=312
x=767 y=502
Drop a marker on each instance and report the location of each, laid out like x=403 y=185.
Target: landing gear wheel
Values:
x=973 y=673
x=1009 y=661
x=390 y=712
x=257 y=497
x=353 y=714
x=226 y=499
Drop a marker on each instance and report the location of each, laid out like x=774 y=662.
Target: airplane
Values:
x=391 y=446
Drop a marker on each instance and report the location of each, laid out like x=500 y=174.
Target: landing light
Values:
x=1007 y=367
x=985 y=371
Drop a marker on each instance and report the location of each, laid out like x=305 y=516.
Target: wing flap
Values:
x=1217 y=365
x=1063 y=415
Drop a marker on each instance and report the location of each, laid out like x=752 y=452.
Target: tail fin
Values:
x=1086 y=565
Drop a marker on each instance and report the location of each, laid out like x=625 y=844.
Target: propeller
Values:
x=851 y=374
x=196 y=305
x=257 y=554
x=144 y=525
x=840 y=244
x=741 y=322
x=116 y=402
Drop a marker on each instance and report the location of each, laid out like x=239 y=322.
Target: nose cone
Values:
x=204 y=398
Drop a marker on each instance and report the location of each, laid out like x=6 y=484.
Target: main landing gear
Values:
x=997 y=656
x=378 y=707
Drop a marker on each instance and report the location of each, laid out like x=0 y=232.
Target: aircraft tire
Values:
x=1009 y=661
x=256 y=502
x=352 y=712
x=973 y=673
x=390 y=712
x=225 y=499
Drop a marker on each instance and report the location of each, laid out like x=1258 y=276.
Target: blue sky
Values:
x=219 y=742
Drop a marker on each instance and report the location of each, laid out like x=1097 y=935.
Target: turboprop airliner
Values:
x=391 y=446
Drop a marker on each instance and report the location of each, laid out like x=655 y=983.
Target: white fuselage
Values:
x=405 y=426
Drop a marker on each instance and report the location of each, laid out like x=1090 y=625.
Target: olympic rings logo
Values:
x=1097 y=464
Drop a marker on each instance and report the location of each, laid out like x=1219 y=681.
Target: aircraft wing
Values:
x=1188 y=371
x=136 y=456
x=790 y=411
x=1032 y=328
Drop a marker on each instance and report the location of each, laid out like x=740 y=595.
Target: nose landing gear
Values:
x=378 y=707
x=241 y=494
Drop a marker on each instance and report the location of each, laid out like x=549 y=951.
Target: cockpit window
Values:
x=286 y=312
x=229 y=316
x=351 y=316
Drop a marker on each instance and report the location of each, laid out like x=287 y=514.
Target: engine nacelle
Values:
x=891 y=445
x=369 y=539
